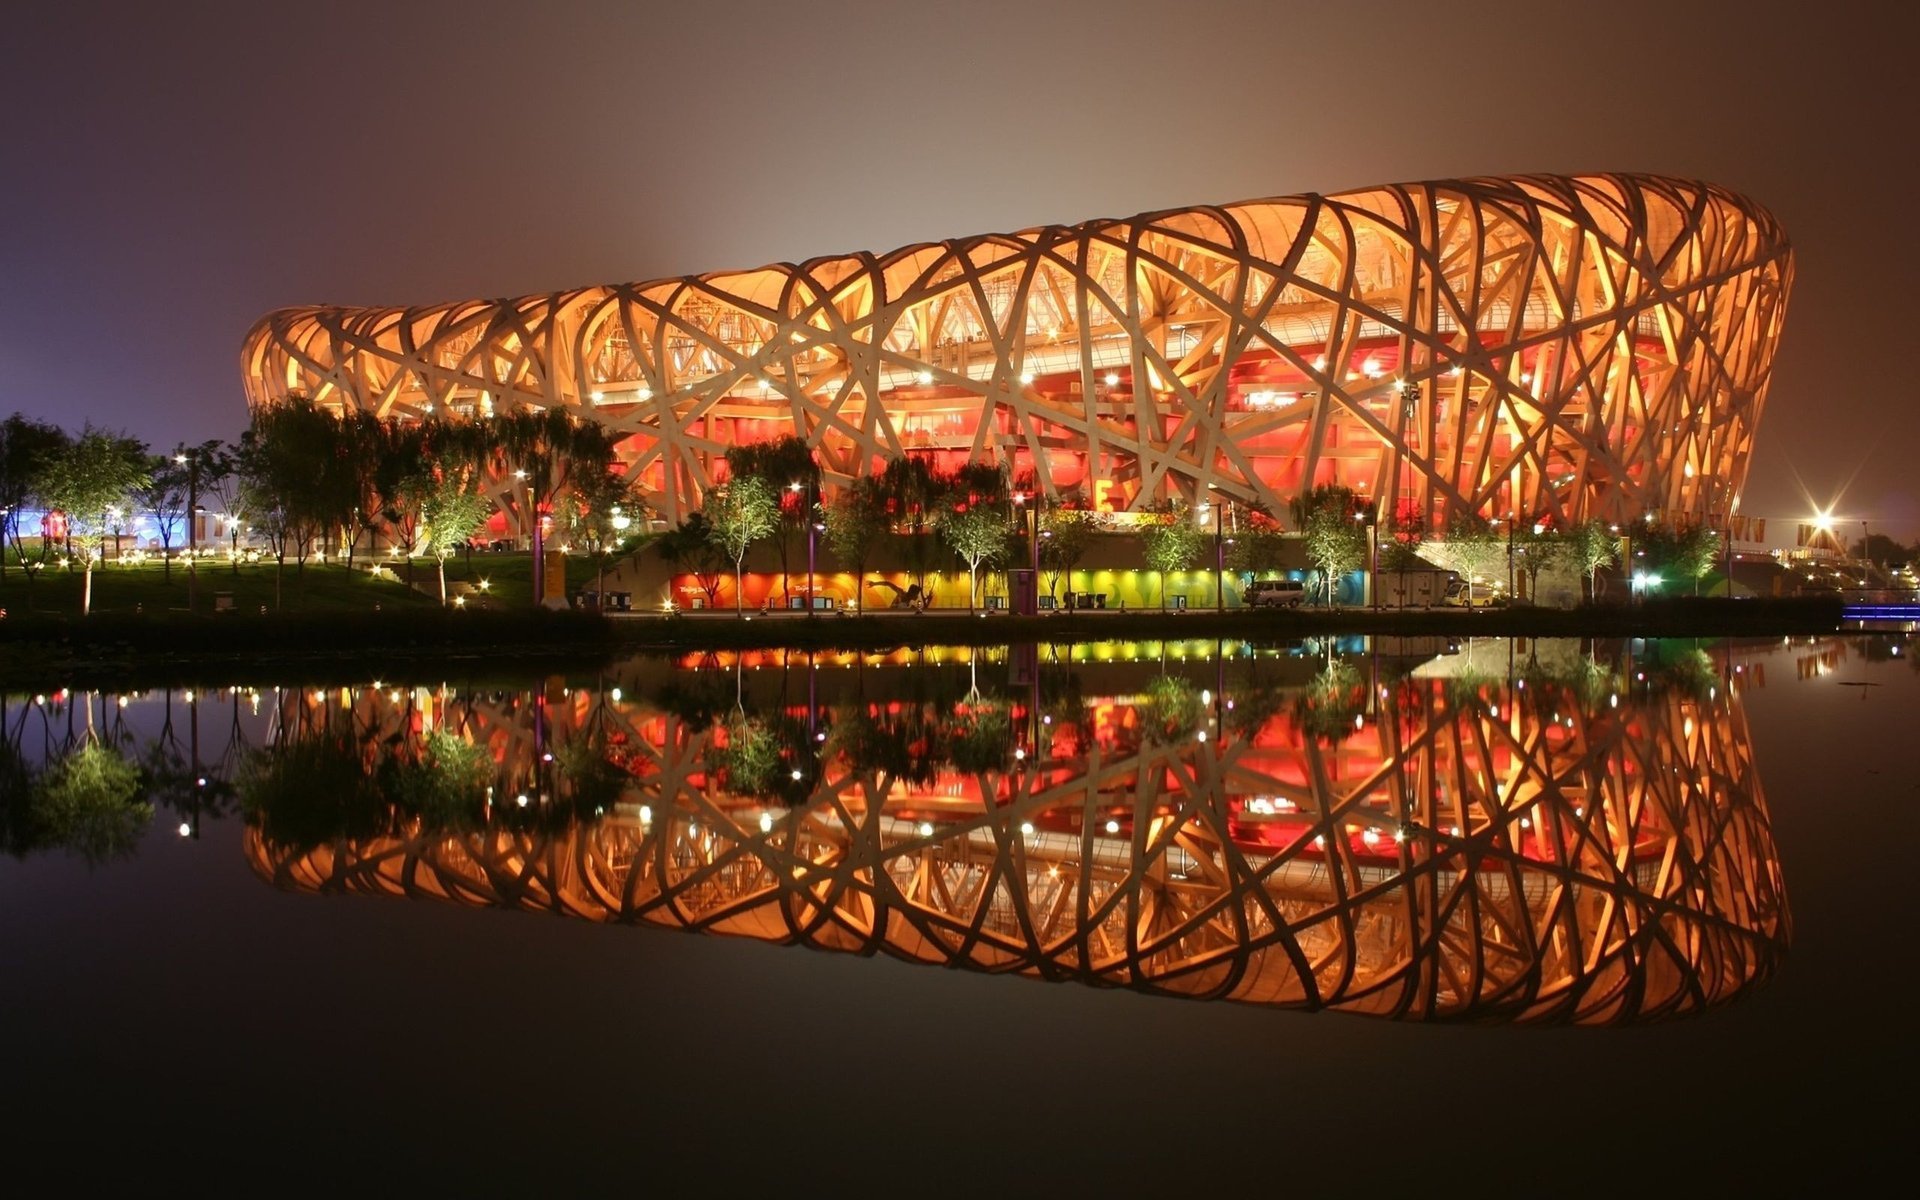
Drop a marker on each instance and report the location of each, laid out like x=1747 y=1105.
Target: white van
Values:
x=1275 y=593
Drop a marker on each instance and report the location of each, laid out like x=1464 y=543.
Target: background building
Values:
x=1542 y=348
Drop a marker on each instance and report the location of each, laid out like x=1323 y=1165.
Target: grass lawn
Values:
x=319 y=588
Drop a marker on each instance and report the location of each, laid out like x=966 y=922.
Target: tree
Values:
x=546 y=451
x=600 y=515
x=92 y=475
x=787 y=464
x=451 y=508
x=1256 y=550
x=1400 y=553
x=1335 y=542
x=973 y=520
x=360 y=459
x=289 y=462
x=1590 y=546
x=1472 y=549
x=692 y=547
x=1540 y=551
x=165 y=496
x=1065 y=534
x=27 y=447
x=220 y=478
x=980 y=536
x=1675 y=554
x=855 y=521
x=1883 y=551
x=1172 y=544
x=912 y=487
x=738 y=515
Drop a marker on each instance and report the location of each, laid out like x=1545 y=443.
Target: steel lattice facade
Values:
x=1548 y=348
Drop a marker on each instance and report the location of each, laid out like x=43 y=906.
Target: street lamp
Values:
x=1033 y=541
x=539 y=562
x=191 y=459
x=1219 y=553
x=808 y=503
x=1370 y=518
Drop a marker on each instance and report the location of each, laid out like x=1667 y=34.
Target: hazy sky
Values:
x=172 y=171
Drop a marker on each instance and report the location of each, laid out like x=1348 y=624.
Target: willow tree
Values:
x=912 y=487
x=855 y=521
x=27 y=447
x=546 y=452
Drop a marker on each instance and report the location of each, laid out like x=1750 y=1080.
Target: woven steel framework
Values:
x=1471 y=852
x=1540 y=347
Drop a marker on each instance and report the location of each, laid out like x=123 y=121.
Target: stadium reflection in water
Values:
x=1565 y=838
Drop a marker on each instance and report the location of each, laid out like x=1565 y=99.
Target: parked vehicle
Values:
x=1483 y=596
x=1275 y=593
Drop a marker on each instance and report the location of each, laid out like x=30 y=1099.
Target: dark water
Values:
x=1503 y=917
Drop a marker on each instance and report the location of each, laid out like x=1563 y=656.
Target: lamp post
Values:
x=1219 y=554
x=808 y=502
x=191 y=461
x=620 y=521
x=1028 y=518
x=1510 y=524
x=1371 y=518
x=539 y=562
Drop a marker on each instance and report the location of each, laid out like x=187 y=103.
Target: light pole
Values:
x=1031 y=528
x=539 y=562
x=191 y=461
x=1371 y=518
x=808 y=502
x=1219 y=554
x=620 y=521
x=1510 y=524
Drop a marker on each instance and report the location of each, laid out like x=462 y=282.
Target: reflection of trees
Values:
x=16 y=785
x=312 y=790
x=760 y=756
x=699 y=698
x=1327 y=706
x=900 y=741
x=1170 y=710
x=980 y=738
x=1675 y=665
x=445 y=781
x=88 y=802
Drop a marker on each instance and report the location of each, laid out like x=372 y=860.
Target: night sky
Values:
x=174 y=171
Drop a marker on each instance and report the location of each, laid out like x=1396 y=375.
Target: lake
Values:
x=1506 y=915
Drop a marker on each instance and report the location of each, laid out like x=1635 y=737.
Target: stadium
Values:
x=1533 y=348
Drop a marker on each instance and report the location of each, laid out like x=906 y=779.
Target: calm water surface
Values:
x=1512 y=916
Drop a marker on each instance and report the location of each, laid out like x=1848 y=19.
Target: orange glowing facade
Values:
x=1552 y=348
